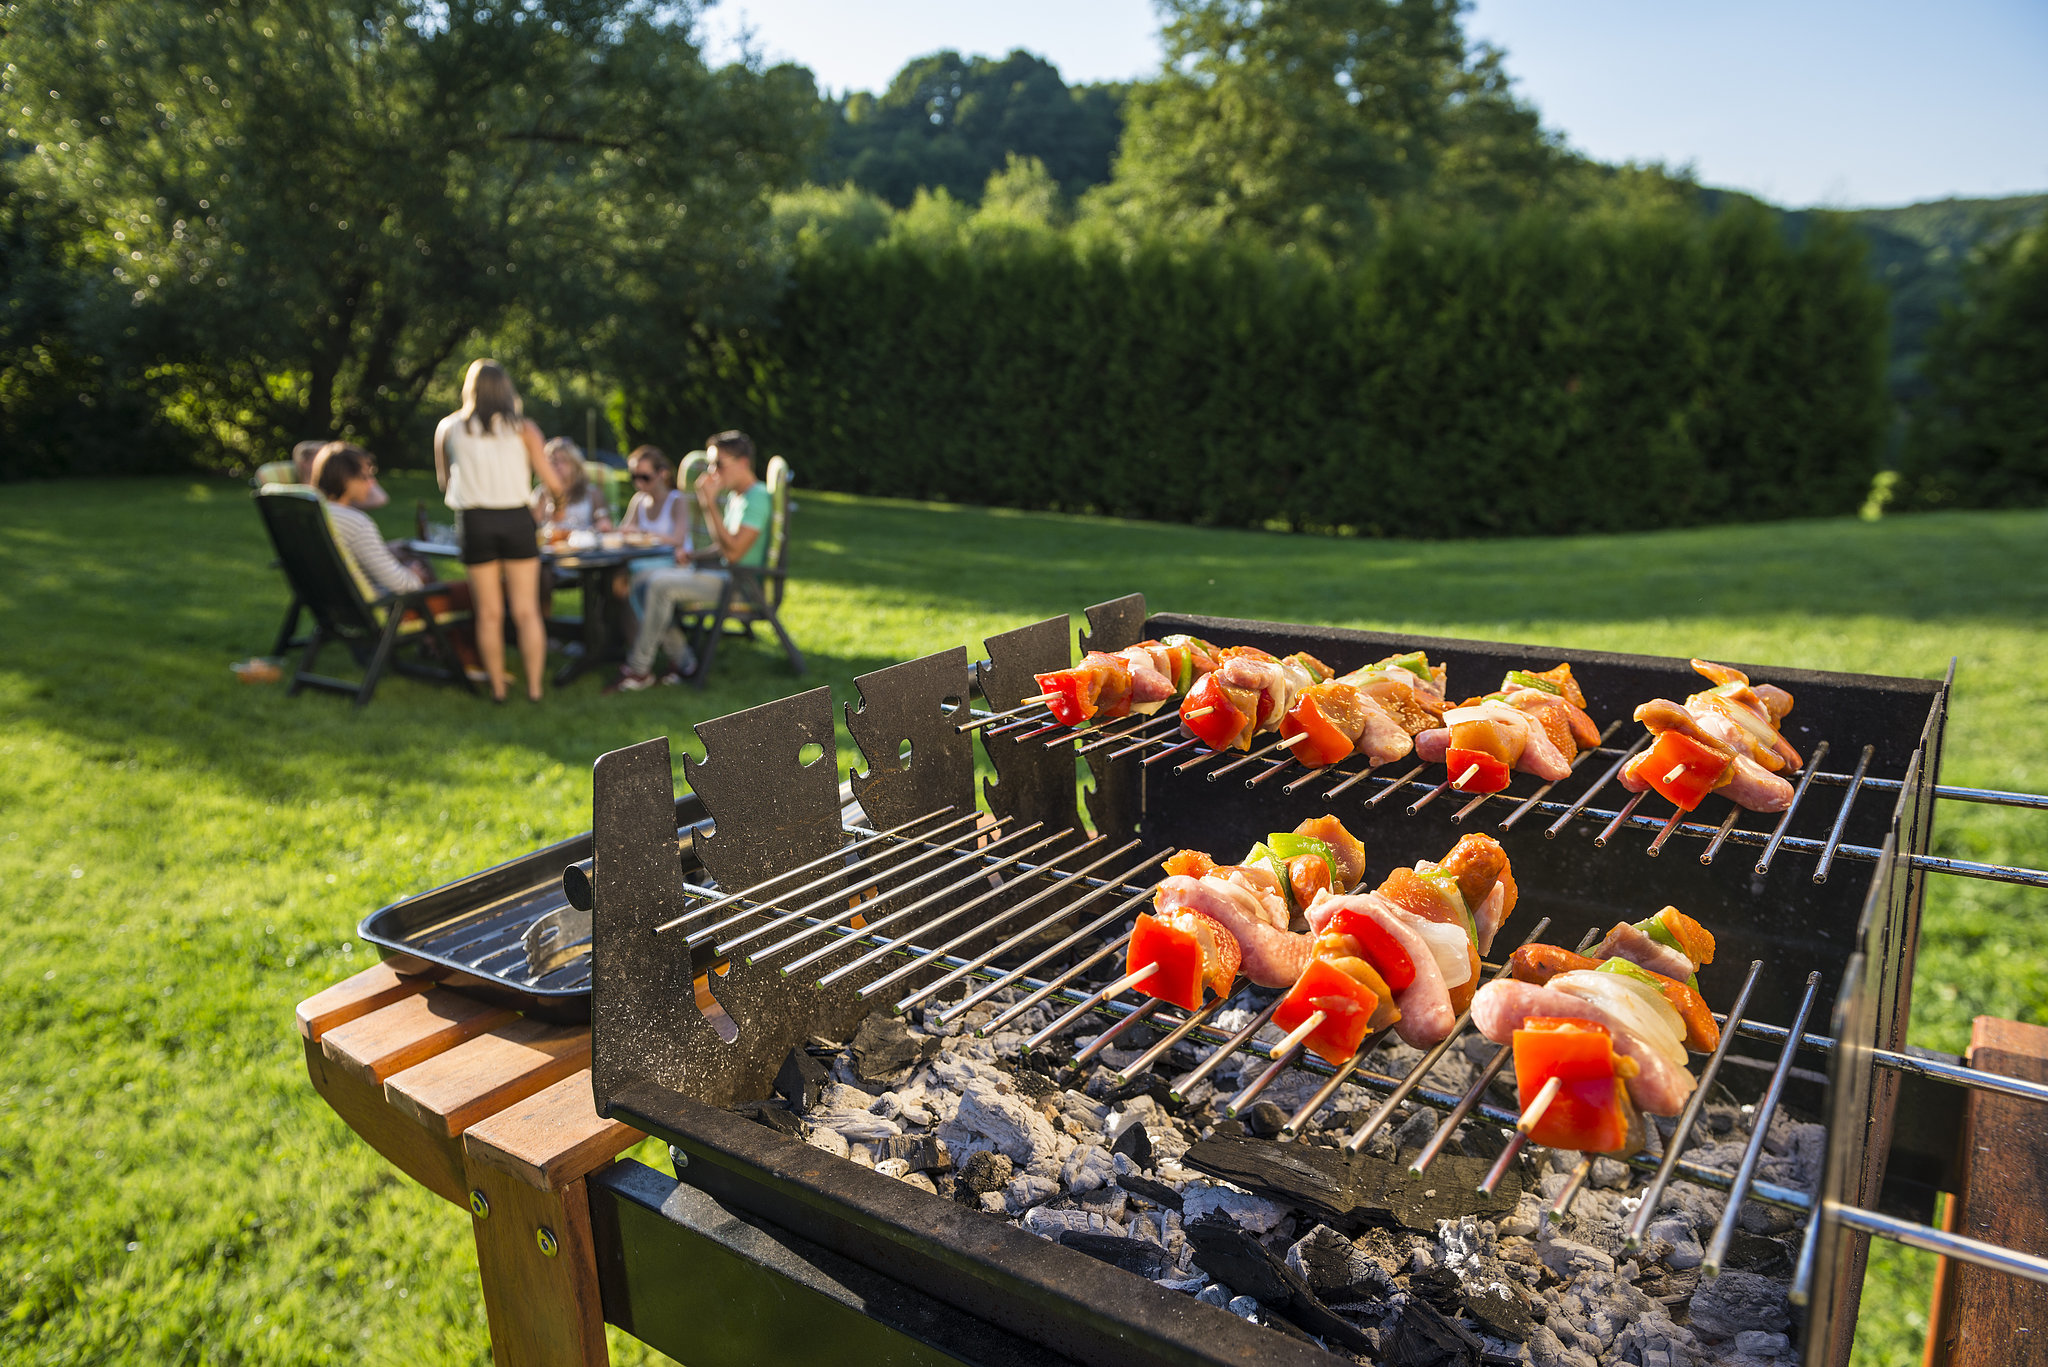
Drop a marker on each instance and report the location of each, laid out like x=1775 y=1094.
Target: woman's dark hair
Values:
x=337 y=463
x=654 y=456
x=734 y=443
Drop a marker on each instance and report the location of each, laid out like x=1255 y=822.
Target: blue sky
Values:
x=1805 y=102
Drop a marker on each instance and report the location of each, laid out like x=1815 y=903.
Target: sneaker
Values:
x=672 y=678
x=631 y=680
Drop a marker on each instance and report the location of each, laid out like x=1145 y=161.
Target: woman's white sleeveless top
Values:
x=486 y=470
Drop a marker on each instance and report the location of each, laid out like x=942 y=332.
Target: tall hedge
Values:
x=1547 y=379
x=1979 y=438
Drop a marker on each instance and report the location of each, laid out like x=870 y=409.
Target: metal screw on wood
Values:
x=545 y=1237
x=478 y=1206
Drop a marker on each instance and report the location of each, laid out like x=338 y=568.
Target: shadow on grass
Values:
x=125 y=604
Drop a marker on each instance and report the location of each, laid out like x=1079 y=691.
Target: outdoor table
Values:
x=604 y=636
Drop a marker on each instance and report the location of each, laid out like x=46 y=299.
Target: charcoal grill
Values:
x=729 y=927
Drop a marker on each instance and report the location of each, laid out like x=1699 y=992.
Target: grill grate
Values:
x=948 y=910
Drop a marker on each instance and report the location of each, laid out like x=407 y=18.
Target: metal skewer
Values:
x=1827 y=856
x=1620 y=819
x=921 y=960
x=1550 y=831
x=1544 y=791
x=729 y=898
x=1189 y=1080
x=1089 y=1003
x=799 y=913
x=1724 y=1232
x=1016 y=711
x=1763 y=863
x=1727 y=825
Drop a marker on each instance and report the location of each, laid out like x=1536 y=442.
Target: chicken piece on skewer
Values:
x=1250 y=901
x=1434 y=911
x=1248 y=692
x=1538 y=964
x=1536 y=723
x=1646 y=1015
x=1723 y=740
x=1138 y=680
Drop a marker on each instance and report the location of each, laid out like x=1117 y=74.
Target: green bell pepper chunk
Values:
x=1522 y=678
x=1654 y=928
x=1629 y=970
x=1416 y=663
x=1290 y=847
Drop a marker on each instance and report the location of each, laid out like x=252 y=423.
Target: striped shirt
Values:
x=363 y=545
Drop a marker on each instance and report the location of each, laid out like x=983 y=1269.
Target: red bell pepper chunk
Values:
x=1220 y=726
x=1325 y=744
x=1072 y=700
x=1346 y=1003
x=1492 y=775
x=1590 y=1111
x=1382 y=950
x=1179 y=956
x=1683 y=770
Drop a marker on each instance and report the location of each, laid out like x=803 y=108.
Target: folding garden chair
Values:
x=752 y=593
x=373 y=628
x=282 y=474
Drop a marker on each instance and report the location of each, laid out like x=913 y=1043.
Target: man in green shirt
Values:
x=737 y=510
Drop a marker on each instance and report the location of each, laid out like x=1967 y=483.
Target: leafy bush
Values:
x=1979 y=439
x=1552 y=377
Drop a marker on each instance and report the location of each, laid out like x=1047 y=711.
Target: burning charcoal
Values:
x=1190 y=1286
x=1735 y=1301
x=1337 y=1270
x=1568 y=1258
x=1420 y=1336
x=845 y=1109
x=1241 y=1262
x=1158 y=1193
x=801 y=1081
x=1087 y=1116
x=1609 y=1172
x=826 y=1138
x=773 y=1115
x=1266 y=1120
x=1151 y=1084
x=1760 y=1217
x=1417 y=1129
x=1087 y=1168
x=919 y=1152
x=1029 y=1190
x=1254 y=1213
x=1758 y=1344
x=1132 y=1255
x=1215 y=1295
x=1005 y=1121
x=982 y=1173
x=1109 y=1202
x=1048 y=1223
x=1353 y=1191
x=1677 y=1235
x=1134 y=1143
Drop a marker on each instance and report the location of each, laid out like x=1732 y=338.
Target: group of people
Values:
x=504 y=482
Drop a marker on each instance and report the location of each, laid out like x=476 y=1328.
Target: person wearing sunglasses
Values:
x=658 y=509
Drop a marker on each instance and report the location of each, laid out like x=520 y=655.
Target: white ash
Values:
x=1566 y=1290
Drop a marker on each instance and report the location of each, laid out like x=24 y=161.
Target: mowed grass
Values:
x=185 y=857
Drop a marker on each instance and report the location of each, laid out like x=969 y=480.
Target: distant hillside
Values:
x=1917 y=252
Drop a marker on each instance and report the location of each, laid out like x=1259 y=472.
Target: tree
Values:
x=1310 y=120
x=298 y=210
x=948 y=122
x=1979 y=438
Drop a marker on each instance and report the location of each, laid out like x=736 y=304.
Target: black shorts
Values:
x=497 y=534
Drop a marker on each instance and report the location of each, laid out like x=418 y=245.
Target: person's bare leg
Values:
x=522 y=590
x=487 y=593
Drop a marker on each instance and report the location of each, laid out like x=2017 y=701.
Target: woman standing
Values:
x=484 y=455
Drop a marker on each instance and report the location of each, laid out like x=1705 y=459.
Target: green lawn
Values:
x=186 y=857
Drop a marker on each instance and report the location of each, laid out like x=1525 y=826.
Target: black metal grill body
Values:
x=664 y=1065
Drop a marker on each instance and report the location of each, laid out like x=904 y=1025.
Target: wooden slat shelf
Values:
x=492 y=1112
